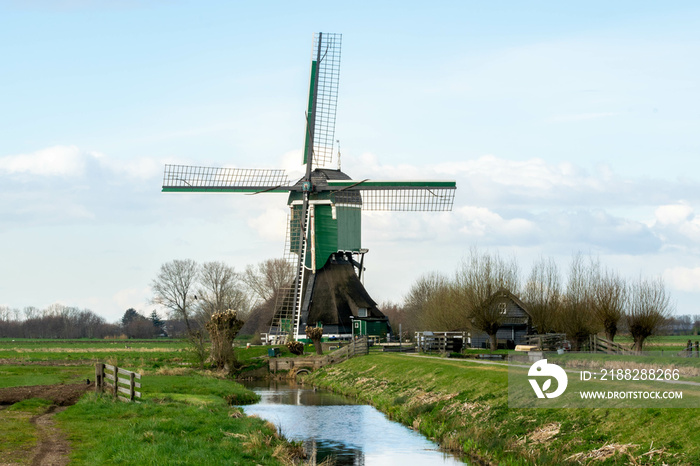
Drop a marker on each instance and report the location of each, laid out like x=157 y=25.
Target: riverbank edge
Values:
x=431 y=397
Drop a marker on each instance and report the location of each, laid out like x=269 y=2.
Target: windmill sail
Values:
x=323 y=99
x=415 y=196
x=186 y=178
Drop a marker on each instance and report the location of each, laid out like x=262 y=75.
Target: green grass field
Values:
x=185 y=417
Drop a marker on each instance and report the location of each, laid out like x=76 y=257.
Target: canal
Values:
x=335 y=426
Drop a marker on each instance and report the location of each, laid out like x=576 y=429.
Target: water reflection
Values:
x=335 y=426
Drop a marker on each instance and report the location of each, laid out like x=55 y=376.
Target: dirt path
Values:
x=61 y=395
x=52 y=447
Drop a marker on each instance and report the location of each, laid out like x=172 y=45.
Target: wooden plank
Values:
x=124 y=399
x=109 y=367
x=124 y=381
x=109 y=376
x=126 y=372
x=126 y=391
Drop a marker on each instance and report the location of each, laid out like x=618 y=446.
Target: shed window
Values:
x=502 y=308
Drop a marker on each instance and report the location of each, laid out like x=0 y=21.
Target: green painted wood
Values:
x=349 y=228
x=335 y=184
x=326 y=234
x=232 y=189
x=309 y=112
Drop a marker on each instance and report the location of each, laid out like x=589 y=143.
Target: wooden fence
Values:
x=443 y=342
x=107 y=379
x=601 y=345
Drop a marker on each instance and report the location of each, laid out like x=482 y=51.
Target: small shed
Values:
x=516 y=322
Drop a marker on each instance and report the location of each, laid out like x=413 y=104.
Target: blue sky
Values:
x=569 y=126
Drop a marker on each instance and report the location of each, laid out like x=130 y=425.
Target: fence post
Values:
x=116 y=381
x=99 y=376
x=132 y=386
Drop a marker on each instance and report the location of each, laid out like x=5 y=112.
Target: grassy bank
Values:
x=463 y=406
x=171 y=428
x=185 y=416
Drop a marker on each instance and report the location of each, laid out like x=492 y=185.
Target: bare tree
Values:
x=173 y=288
x=441 y=311
x=609 y=296
x=220 y=288
x=421 y=299
x=575 y=316
x=479 y=278
x=5 y=314
x=543 y=294
x=266 y=278
x=395 y=313
x=649 y=307
x=31 y=312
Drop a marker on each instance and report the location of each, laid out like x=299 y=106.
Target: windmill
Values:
x=323 y=242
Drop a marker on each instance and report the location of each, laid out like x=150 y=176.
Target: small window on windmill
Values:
x=362 y=312
x=502 y=308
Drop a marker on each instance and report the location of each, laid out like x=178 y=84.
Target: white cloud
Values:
x=678 y=225
x=683 y=278
x=71 y=161
x=52 y=161
x=673 y=214
x=291 y=163
x=141 y=168
x=271 y=224
x=130 y=297
x=479 y=222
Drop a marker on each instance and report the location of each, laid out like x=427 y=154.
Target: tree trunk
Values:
x=318 y=346
x=610 y=331
x=638 y=343
x=494 y=342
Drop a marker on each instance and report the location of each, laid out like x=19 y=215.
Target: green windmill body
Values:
x=337 y=226
x=324 y=241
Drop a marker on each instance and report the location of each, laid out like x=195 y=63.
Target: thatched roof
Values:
x=338 y=294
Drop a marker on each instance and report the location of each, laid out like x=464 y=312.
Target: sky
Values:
x=568 y=126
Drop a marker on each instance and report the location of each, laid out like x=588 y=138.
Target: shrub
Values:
x=223 y=328
x=315 y=334
x=295 y=347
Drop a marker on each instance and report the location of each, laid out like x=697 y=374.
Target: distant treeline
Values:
x=59 y=321
x=56 y=321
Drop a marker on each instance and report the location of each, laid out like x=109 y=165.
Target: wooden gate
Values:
x=107 y=379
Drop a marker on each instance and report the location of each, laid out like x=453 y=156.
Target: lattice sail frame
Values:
x=416 y=196
x=326 y=52
x=192 y=178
